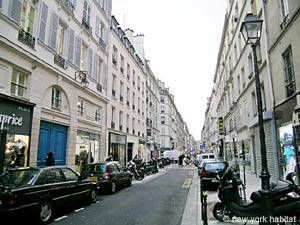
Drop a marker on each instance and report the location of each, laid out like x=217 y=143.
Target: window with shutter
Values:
x=53 y=31
x=77 y=51
x=71 y=45
x=90 y=62
x=43 y=23
x=15 y=10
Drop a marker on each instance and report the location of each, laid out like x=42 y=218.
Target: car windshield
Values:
x=18 y=178
x=215 y=166
x=95 y=168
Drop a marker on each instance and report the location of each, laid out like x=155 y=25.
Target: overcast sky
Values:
x=181 y=41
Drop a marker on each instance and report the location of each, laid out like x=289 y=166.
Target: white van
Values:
x=206 y=157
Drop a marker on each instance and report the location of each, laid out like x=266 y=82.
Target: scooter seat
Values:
x=281 y=185
x=246 y=209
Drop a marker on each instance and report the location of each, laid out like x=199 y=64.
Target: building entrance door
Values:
x=53 y=138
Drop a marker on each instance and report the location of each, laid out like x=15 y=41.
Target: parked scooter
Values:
x=285 y=200
x=138 y=174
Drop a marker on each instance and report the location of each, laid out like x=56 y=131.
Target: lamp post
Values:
x=251 y=31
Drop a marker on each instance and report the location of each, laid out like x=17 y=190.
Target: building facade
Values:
x=127 y=90
x=53 y=60
x=278 y=70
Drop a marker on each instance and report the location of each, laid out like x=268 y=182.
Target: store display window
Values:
x=87 y=148
x=16 y=151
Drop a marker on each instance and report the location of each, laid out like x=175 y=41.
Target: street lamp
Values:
x=251 y=31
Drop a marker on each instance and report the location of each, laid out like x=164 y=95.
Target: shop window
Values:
x=98 y=114
x=16 y=151
x=19 y=83
x=56 y=99
x=87 y=148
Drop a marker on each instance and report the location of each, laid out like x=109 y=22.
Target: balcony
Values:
x=112 y=124
x=26 y=38
x=60 y=61
x=113 y=92
x=86 y=25
x=102 y=43
x=121 y=98
x=99 y=87
x=114 y=61
x=68 y=5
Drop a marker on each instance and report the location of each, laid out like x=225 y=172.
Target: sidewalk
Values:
x=192 y=212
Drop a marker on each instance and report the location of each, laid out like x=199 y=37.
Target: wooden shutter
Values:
x=71 y=45
x=108 y=7
x=53 y=30
x=43 y=23
x=97 y=26
x=15 y=10
x=77 y=51
x=90 y=61
x=96 y=68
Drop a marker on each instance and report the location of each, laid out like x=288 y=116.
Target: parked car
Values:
x=208 y=171
x=42 y=191
x=108 y=175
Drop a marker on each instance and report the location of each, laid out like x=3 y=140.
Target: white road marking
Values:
x=60 y=218
x=78 y=210
x=187 y=183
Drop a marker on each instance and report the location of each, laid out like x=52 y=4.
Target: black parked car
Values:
x=42 y=191
x=108 y=175
x=208 y=171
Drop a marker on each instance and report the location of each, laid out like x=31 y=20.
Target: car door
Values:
x=77 y=189
x=50 y=184
x=114 y=172
x=122 y=174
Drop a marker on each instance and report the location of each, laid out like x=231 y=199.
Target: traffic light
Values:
x=221 y=125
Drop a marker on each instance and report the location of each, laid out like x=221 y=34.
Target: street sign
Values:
x=221 y=125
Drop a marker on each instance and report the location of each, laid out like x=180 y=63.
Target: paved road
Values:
x=151 y=202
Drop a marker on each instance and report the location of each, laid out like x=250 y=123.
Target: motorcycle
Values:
x=284 y=198
x=138 y=174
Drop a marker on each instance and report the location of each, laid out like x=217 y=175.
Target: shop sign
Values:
x=221 y=125
x=15 y=118
x=117 y=139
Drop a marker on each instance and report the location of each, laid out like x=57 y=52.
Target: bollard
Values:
x=203 y=206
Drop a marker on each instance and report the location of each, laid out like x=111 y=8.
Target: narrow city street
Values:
x=160 y=200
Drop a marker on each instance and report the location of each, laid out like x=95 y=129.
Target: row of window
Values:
x=140 y=125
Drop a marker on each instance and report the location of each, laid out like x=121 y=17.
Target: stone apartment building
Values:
x=234 y=82
x=127 y=90
x=53 y=79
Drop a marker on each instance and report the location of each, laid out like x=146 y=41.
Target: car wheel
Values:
x=46 y=212
x=113 y=187
x=129 y=182
x=93 y=196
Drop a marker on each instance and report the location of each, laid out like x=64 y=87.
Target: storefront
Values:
x=117 y=147
x=87 y=148
x=15 y=132
x=142 y=154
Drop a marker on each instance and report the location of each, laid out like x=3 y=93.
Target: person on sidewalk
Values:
x=50 y=161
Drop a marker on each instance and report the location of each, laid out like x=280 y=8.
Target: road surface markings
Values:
x=78 y=210
x=191 y=173
x=187 y=183
x=60 y=218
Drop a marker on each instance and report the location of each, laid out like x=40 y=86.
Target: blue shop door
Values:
x=53 y=137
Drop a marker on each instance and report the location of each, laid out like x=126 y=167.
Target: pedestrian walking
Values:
x=50 y=160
